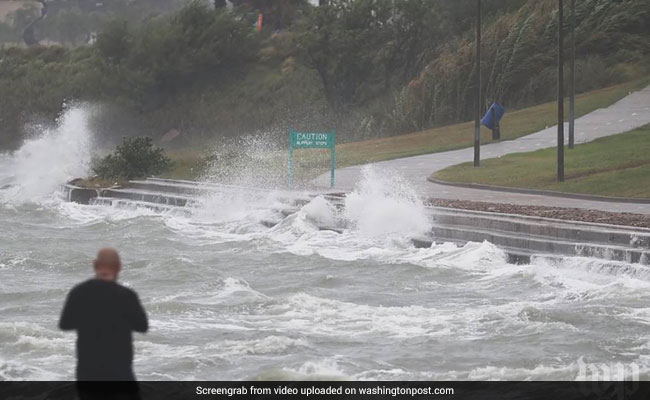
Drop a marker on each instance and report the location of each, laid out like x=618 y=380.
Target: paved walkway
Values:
x=631 y=112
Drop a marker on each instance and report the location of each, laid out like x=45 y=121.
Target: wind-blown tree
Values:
x=361 y=48
x=519 y=64
x=114 y=43
x=197 y=47
x=364 y=48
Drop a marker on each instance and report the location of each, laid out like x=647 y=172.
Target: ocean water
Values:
x=229 y=298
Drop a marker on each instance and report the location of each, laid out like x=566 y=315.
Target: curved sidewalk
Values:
x=629 y=113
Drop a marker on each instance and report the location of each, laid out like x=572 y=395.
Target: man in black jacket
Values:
x=104 y=313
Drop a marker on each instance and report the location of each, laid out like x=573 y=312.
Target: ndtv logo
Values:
x=614 y=380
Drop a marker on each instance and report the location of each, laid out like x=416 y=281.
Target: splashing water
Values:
x=252 y=160
x=321 y=212
x=383 y=204
x=295 y=302
x=41 y=164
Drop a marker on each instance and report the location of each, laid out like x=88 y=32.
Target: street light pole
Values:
x=477 y=121
x=560 y=94
x=572 y=78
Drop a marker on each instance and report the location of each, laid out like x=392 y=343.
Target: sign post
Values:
x=312 y=140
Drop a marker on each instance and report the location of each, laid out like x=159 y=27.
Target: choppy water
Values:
x=231 y=299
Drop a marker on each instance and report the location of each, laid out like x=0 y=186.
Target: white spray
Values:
x=383 y=203
x=43 y=163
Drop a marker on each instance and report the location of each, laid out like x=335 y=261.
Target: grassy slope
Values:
x=612 y=166
x=515 y=124
x=188 y=163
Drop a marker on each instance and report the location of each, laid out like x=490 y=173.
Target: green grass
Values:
x=617 y=166
x=517 y=123
x=514 y=125
x=187 y=163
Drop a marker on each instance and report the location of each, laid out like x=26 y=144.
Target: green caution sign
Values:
x=312 y=140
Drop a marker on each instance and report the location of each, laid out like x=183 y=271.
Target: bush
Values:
x=134 y=158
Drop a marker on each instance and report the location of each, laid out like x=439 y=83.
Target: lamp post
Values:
x=572 y=78
x=477 y=121
x=560 y=93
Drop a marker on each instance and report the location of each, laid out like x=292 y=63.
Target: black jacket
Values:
x=104 y=314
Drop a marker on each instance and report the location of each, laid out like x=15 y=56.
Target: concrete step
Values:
x=175 y=186
x=133 y=205
x=544 y=227
x=180 y=185
x=543 y=245
x=198 y=189
x=149 y=197
x=169 y=188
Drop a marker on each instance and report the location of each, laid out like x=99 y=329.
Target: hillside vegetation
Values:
x=367 y=68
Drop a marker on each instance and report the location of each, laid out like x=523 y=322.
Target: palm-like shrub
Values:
x=134 y=158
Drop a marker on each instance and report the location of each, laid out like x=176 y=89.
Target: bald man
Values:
x=104 y=313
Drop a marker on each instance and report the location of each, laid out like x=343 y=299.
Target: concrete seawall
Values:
x=526 y=236
x=520 y=236
x=78 y=194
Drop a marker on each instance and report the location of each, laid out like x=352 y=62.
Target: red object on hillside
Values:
x=260 y=21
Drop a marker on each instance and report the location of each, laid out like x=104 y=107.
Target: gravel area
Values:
x=571 y=214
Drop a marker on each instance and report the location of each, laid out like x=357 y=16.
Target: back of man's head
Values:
x=107 y=264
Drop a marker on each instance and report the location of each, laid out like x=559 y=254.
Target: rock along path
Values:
x=629 y=113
